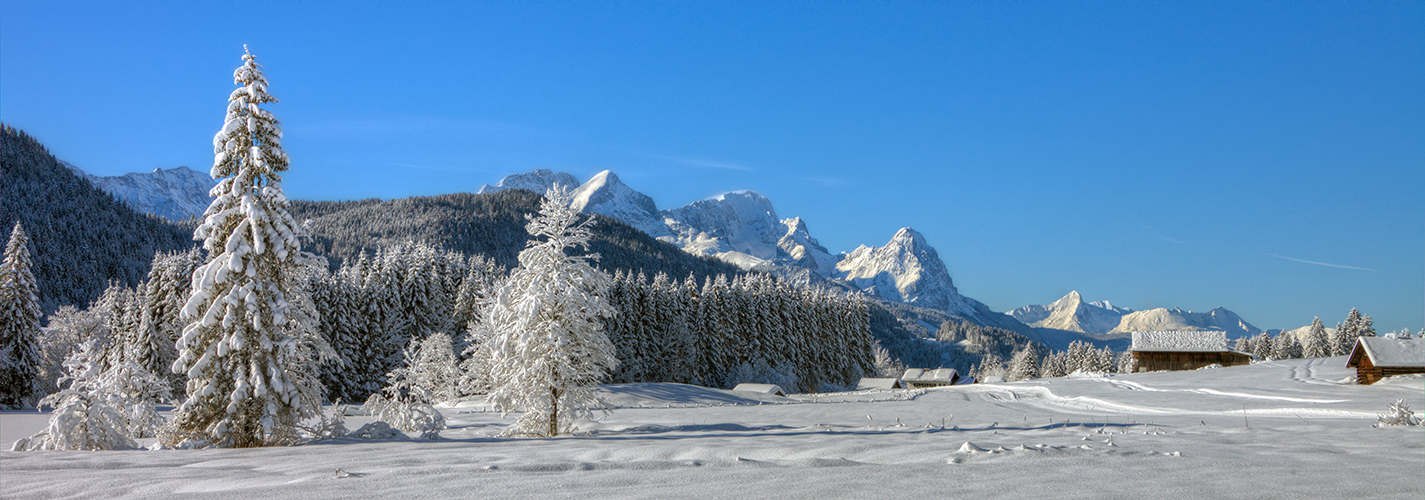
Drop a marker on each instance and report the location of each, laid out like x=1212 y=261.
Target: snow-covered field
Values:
x=1286 y=429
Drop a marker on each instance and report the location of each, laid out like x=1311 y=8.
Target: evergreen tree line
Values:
x=904 y=340
x=79 y=235
x=1316 y=342
x=753 y=328
x=1034 y=361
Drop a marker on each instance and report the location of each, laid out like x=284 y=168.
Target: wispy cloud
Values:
x=1327 y=264
x=700 y=162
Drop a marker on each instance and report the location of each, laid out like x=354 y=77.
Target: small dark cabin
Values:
x=1176 y=351
x=1375 y=358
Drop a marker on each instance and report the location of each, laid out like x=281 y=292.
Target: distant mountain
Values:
x=605 y=195
x=1161 y=319
x=1071 y=318
x=81 y=237
x=538 y=181
x=175 y=194
x=1072 y=314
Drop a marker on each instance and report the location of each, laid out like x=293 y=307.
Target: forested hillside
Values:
x=481 y=224
x=82 y=238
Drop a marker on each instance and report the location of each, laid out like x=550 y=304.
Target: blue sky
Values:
x=1266 y=157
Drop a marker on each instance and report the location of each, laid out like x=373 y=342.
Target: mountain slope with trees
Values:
x=83 y=238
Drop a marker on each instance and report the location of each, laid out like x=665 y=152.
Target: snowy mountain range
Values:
x=174 y=194
x=1104 y=322
x=742 y=228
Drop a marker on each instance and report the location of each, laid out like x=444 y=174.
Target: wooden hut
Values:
x=921 y=377
x=1158 y=351
x=1375 y=358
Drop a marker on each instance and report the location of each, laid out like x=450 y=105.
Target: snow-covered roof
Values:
x=1390 y=352
x=938 y=375
x=880 y=383
x=762 y=388
x=1191 y=341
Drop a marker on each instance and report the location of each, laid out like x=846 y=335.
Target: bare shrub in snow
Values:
x=1398 y=414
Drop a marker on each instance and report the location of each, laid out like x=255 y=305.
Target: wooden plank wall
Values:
x=1176 y=361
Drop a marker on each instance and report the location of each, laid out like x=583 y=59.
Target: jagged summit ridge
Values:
x=175 y=194
x=742 y=228
x=605 y=194
x=538 y=181
x=906 y=269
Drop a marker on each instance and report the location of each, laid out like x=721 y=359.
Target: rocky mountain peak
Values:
x=538 y=181
x=175 y=194
x=605 y=194
x=906 y=269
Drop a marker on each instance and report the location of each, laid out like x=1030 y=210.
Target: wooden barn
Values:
x=1375 y=358
x=921 y=377
x=1174 y=351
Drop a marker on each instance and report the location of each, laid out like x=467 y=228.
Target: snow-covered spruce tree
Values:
x=1316 y=343
x=1024 y=365
x=249 y=350
x=19 y=325
x=547 y=347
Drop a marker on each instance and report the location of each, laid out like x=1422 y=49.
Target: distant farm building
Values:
x=867 y=384
x=772 y=389
x=1375 y=358
x=1159 y=351
x=920 y=377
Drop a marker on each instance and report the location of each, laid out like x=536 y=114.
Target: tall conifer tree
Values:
x=248 y=351
x=19 y=324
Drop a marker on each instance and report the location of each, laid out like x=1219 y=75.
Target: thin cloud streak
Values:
x=1327 y=264
x=697 y=162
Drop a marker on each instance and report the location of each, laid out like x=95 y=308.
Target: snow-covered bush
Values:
x=405 y=413
x=101 y=409
x=1398 y=414
x=431 y=373
x=430 y=376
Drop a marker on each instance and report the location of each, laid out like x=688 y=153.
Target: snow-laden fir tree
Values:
x=547 y=348
x=249 y=349
x=1316 y=344
x=19 y=325
x=1024 y=365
